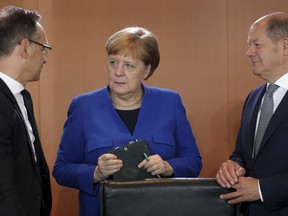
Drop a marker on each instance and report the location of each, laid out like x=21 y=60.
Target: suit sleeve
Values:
x=275 y=191
x=237 y=155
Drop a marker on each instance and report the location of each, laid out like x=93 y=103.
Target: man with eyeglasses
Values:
x=25 y=188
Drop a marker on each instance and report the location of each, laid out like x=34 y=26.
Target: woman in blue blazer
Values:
x=126 y=110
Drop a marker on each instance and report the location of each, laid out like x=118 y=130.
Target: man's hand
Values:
x=246 y=190
x=229 y=173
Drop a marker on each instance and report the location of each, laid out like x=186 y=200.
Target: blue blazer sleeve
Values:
x=186 y=160
x=71 y=168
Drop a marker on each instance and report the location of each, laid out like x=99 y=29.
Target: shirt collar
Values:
x=14 y=86
x=283 y=81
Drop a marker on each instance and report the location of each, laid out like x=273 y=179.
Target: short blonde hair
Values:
x=140 y=41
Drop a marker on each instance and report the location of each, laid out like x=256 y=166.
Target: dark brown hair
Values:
x=15 y=24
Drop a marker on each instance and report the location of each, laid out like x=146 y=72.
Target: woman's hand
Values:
x=107 y=165
x=157 y=166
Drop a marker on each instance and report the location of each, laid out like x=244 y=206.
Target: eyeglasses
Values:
x=46 y=48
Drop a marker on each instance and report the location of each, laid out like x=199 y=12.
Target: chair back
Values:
x=165 y=197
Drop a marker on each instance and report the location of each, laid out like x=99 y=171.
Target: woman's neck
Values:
x=127 y=103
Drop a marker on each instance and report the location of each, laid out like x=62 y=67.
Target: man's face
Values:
x=37 y=57
x=266 y=56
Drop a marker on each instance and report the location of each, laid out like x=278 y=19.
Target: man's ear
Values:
x=285 y=44
x=23 y=48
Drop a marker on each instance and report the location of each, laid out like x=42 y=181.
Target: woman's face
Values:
x=125 y=73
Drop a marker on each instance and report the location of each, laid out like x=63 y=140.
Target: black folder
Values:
x=131 y=155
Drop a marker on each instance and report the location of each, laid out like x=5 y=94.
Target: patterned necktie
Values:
x=30 y=111
x=266 y=113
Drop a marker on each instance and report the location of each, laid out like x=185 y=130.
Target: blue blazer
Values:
x=93 y=128
x=271 y=163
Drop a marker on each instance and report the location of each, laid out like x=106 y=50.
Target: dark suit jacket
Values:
x=24 y=186
x=271 y=162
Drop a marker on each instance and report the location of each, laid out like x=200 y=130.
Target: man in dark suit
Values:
x=260 y=178
x=24 y=175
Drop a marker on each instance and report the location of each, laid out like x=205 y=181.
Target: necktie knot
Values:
x=271 y=89
x=25 y=94
x=28 y=101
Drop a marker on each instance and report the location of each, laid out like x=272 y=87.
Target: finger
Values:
x=108 y=170
x=236 y=200
x=155 y=169
x=109 y=156
x=223 y=179
x=240 y=172
x=155 y=158
x=113 y=163
x=142 y=164
x=106 y=157
x=234 y=177
x=110 y=162
x=156 y=172
x=229 y=196
x=219 y=181
x=231 y=174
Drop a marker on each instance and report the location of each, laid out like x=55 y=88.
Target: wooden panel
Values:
x=18 y=3
x=202 y=44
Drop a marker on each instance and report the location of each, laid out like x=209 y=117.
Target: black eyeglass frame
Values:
x=41 y=44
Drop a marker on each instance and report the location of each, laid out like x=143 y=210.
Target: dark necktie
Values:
x=30 y=111
x=266 y=113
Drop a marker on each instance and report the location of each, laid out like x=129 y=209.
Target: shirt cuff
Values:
x=260 y=193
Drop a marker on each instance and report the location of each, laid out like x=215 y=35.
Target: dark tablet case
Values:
x=131 y=155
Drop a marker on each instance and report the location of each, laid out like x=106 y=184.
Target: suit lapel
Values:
x=252 y=113
x=4 y=88
x=280 y=114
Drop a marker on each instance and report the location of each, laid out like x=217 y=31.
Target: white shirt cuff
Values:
x=260 y=193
